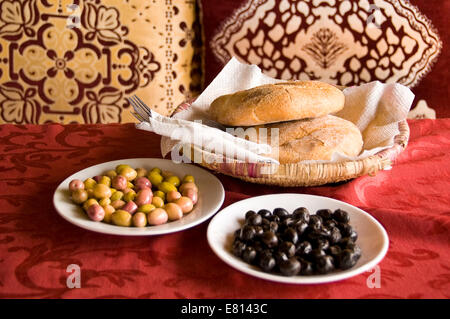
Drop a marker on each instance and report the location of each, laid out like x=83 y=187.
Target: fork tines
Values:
x=141 y=109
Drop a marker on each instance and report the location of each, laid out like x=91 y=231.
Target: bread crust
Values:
x=271 y=103
x=312 y=139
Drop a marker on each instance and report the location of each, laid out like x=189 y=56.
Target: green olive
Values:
x=158 y=202
x=102 y=191
x=157 y=216
x=156 y=169
x=89 y=183
x=166 y=174
x=105 y=180
x=174 y=212
x=111 y=173
x=109 y=210
x=166 y=187
x=117 y=204
x=129 y=173
x=188 y=179
x=130 y=195
x=104 y=201
x=121 y=218
x=155 y=178
x=88 y=203
x=139 y=219
x=141 y=172
x=146 y=208
x=187 y=185
x=90 y=192
x=160 y=194
x=79 y=196
x=116 y=195
x=130 y=185
x=174 y=180
x=120 y=167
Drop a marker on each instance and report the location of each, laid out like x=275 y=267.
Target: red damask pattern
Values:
x=412 y=202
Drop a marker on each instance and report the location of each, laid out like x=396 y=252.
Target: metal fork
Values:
x=143 y=113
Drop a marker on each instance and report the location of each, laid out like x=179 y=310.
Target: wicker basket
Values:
x=313 y=174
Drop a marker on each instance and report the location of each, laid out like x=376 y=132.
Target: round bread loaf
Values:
x=311 y=139
x=271 y=103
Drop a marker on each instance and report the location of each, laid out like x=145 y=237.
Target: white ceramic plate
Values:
x=372 y=238
x=211 y=196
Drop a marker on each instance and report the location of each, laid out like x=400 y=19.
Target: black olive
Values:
x=334 y=251
x=287 y=222
x=330 y=223
x=325 y=213
x=280 y=256
x=304 y=248
x=264 y=213
x=300 y=227
x=269 y=239
x=346 y=242
x=273 y=226
x=249 y=214
x=280 y=212
x=238 y=248
x=316 y=254
x=290 y=267
x=258 y=246
x=345 y=229
x=347 y=259
x=341 y=216
x=324 y=264
x=301 y=213
x=315 y=222
x=297 y=243
x=267 y=262
x=274 y=218
x=259 y=231
x=248 y=233
x=290 y=234
x=307 y=268
x=265 y=223
x=321 y=243
x=335 y=235
x=254 y=220
x=288 y=248
x=355 y=248
x=249 y=254
x=353 y=235
x=315 y=234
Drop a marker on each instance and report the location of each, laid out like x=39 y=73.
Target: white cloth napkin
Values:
x=375 y=108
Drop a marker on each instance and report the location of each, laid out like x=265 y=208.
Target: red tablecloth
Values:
x=412 y=201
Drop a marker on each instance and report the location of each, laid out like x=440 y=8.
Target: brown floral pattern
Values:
x=71 y=71
x=19 y=105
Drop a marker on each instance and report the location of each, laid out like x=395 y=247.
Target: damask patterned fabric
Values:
x=77 y=60
x=36 y=245
x=342 y=42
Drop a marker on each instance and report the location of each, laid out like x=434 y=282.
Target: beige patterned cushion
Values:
x=68 y=64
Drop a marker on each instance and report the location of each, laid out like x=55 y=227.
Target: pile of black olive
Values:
x=299 y=243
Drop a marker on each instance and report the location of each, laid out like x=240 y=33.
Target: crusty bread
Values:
x=271 y=103
x=312 y=139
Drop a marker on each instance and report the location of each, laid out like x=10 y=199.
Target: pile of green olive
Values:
x=135 y=197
